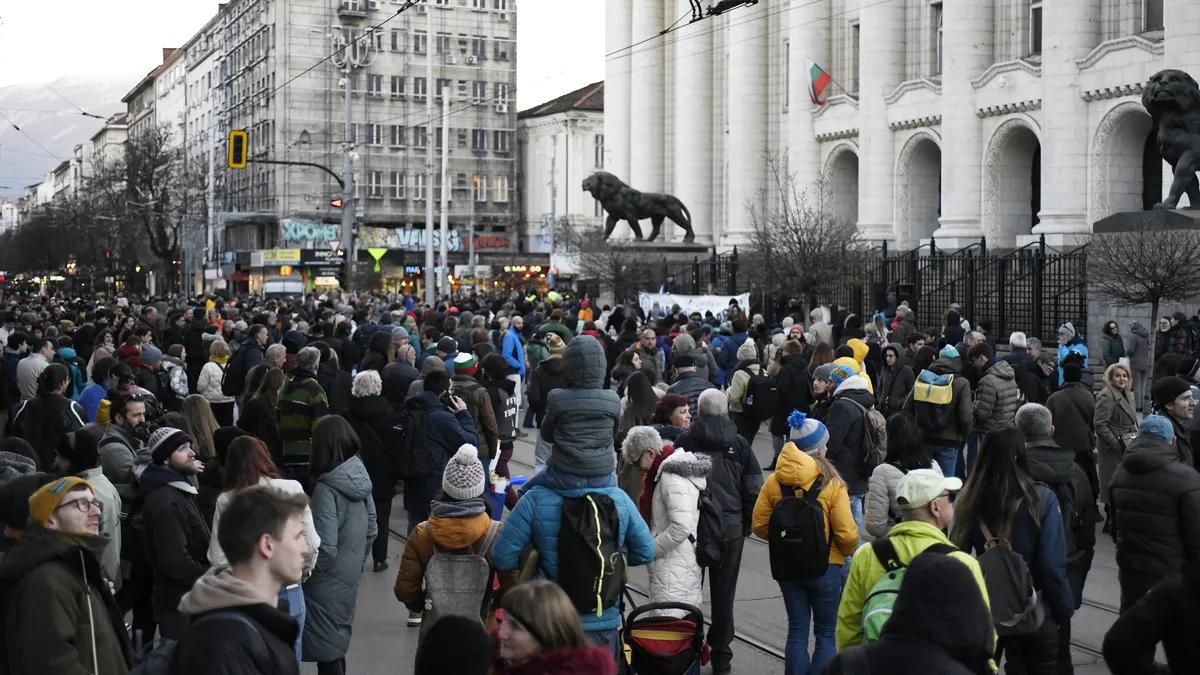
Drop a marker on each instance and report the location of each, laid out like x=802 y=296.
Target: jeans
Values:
x=293 y=595
x=541 y=455
x=722 y=587
x=856 y=509
x=415 y=518
x=814 y=601
x=610 y=640
x=968 y=455
x=946 y=456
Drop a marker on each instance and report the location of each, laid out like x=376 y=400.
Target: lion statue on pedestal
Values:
x=1172 y=98
x=622 y=202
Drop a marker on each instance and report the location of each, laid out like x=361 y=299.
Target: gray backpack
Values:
x=456 y=584
x=1016 y=605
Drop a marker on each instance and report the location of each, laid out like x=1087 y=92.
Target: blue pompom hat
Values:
x=810 y=435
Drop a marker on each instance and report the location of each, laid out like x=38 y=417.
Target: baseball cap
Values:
x=921 y=486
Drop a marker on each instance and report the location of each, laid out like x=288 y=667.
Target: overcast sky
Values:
x=560 y=43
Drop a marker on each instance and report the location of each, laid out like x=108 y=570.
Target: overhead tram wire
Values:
x=670 y=29
x=26 y=135
x=81 y=110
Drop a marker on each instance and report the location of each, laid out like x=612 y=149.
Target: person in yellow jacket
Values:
x=802 y=465
x=857 y=367
x=924 y=494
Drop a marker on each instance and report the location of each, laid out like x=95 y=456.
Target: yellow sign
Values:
x=281 y=256
x=377 y=253
x=285 y=271
x=239 y=146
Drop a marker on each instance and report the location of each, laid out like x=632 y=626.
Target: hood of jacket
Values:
x=397 y=377
x=850 y=363
x=795 y=468
x=457 y=529
x=691 y=466
x=554 y=366
x=1049 y=463
x=584 y=364
x=852 y=384
x=940 y=604
x=1001 y=369
x=350 y=479
x=508 y=386
x=380 y=341
x=220 y=589
x=684 y=344
x=40 y=545
x=297 y=379
x=860 y=349
x=67 y=353
x=157 y=475
x=1139 y=330
x=427 y=400
x=714 y=434
x=895 y=349
x=1149 y=452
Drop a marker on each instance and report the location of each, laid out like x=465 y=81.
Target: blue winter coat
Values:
x=445 y=432
x=727 y=360
x=1077 y=347
x=514 y=352
x=536 y=520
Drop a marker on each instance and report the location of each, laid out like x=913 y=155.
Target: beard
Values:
x=184 y=468
x=139 y=431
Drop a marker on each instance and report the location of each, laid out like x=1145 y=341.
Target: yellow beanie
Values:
x=44 y=502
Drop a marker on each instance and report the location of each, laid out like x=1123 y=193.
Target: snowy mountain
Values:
x=52 y=122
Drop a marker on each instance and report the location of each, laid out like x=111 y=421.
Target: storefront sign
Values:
x=321 y=256
x=410 y=239
x=325 y=271
x=717 y=304
x=276 y=257
x=304 y=230
x=524 y=269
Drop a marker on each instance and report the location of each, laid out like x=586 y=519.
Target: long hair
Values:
x=546 y=613
x=268 y=389
x=905 y=448
x=333 y=442
x=202 y=424
x=998 y=486
x=822 y=354
x=642 y=400
x=248 y=461
x=923 y=358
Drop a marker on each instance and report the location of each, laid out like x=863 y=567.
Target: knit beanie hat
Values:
x=1167 y=389
x=1072 y=371
x=823 y=372
x=555 y=344
x=1188 y=367
x=464 y=364
x=683 y=343
x=80 y=449
x=164 y=442
x=747 y=351
x=447 y=345
x=1159 y=426
x=948 y=351
x=840 y=374
x=809 y=434
x=464 y=477
x=1068 y=330
x=151 y=355
x=398 y=333
x=44 y=502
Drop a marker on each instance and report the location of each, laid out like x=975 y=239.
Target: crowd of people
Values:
x=220 y=471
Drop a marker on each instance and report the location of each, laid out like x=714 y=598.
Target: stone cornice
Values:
x=913 y=85
x=915 y=123
x=1119 y=91
x=836 y=135
x=1128 y=42
x=840 y=99
x=1006 y=67
x=1009 y=108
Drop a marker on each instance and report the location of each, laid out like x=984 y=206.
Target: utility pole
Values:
x=443 y=272
x=212 y=208
x=348 y=204
x=430 y=46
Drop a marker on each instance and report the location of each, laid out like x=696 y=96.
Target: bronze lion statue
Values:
x=622 y=202
x=1173 y=100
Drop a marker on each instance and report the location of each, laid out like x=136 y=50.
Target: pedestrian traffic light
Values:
x=336 y=203
x=239 y=142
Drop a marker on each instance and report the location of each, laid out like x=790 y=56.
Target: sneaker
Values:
x=414 y=619
x=380 y=565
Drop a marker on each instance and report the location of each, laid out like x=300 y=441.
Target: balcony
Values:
x=353 y=9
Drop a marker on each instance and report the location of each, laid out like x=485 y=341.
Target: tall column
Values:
x=647 y=123
x=881 y=68
x=618 y=33
x=1182 y=21
x=968 y=44
x=1065 y=129
x=693 y=123
x=809 y=38
x=747 y=91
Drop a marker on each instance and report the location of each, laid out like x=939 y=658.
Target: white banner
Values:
x=717 y=304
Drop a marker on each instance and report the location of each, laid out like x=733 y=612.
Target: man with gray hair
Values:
x=734 y=484
x=1057 y=469
x=302 y=402
x=1018 y=353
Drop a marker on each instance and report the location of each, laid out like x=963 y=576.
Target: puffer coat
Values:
x=675 y=574
x=996 y=398
x=1115 y=421
x=344 y=517
x=881 y=507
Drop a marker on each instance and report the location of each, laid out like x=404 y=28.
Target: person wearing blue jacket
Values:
x=536 y=520
x=447 y=427
x=1002 y=497
x=514 y=353
x=727 y=359
x=1070 y=342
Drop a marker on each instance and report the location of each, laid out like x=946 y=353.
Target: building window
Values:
x=501 y=92
x=1153 y=17
x=375 y=85
x=501 y=141
x=443 y=85
x=462 y=89
x=420 y=137
x=397 y=185
x=598 y=148
x=478 y=4
x=500 y=190
x=374 y=134
x=437 y=138
x=479 y=47
x=420 y=88
x=479 y=188
x=1035 y=27
x=354 y=134
x=443 y=43
x=478 y=91
x=502 y=49
x=398 y=136
x=397 y=85
x=375 y=184
x=418 y=187
x=855 y=50
x=399 y=40
x=420 y=42
x=501 y=5
x=462 y=139
x=935 y=20
x=479 y=140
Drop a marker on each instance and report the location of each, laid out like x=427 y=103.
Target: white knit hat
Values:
x=464 y=477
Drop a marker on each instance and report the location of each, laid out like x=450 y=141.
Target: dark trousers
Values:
x=137 y=595
x=722 y=586
x=223 y=412
x=1033 y=654
x=171 y=624
x=332 y=667
x=747 y=426
x=383 y=516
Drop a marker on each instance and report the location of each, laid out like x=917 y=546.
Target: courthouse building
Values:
x=954 y=119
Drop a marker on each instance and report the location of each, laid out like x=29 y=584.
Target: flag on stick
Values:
x=818 y=82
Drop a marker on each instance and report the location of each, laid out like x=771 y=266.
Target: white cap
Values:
x=921 y=486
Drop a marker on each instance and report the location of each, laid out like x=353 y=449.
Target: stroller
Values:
x=664 y=645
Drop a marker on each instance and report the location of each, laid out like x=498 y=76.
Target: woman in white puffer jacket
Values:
x=675 y=574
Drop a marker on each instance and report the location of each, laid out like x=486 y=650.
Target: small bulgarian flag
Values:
x=818 y=82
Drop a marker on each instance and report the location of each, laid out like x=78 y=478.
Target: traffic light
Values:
x=239 y=142
x=336 y=202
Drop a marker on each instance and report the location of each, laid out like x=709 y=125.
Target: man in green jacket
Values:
x=60 y=617
x=302 y=402
x=925 y=497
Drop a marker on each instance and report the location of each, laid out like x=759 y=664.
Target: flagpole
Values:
x=831 y=80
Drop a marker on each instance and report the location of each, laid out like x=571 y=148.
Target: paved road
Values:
x=383 y=645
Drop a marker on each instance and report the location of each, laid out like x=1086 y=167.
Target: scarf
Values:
x=464 y=509
x=649 y=482
x=219 y=360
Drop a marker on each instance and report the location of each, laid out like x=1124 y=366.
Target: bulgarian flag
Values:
x=818 y=82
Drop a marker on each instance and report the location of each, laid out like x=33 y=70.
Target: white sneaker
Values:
x=414 y=619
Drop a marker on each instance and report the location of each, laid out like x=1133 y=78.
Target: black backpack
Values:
x=166 y=393
x=762 y=392
x=1079 y=514
x=710 y=534
x=505 y=406
x=591 y=566
x=798 y=543
x=233 y=381
x=413 y=459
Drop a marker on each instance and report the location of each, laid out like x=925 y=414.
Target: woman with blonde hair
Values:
x=1115 y=422
x=209 y=384
x=541 y=635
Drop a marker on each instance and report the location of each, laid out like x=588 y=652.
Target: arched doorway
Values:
x=840 y=182
x=1126 y=165
x=918 y=190
x=1012 y=175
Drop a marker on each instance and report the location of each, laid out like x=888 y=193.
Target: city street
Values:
x=383 y=645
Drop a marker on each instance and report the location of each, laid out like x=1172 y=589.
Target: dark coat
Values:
x=1154 y=503
x=45 y=421
x=1057 y=469
x=736 y=476
x=397 y=377
x=795 y=392
x=1035 y=386
x=258 y=420
x=691 y=386
x=959 y=428
x=177 y=537
x=337 y=384
x=1074 y=411
x=445 y=431
x=846 y=425
x=1170 y=614
x=377 y=352
x=895 y=383
x=227 y=647
x=378 y=428
x=546 y=378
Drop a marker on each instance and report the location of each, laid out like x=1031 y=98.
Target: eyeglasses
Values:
x=83 y=505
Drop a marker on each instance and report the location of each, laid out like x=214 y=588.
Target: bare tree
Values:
x=797 y=245
x=1145 y=267
x=626 y=269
